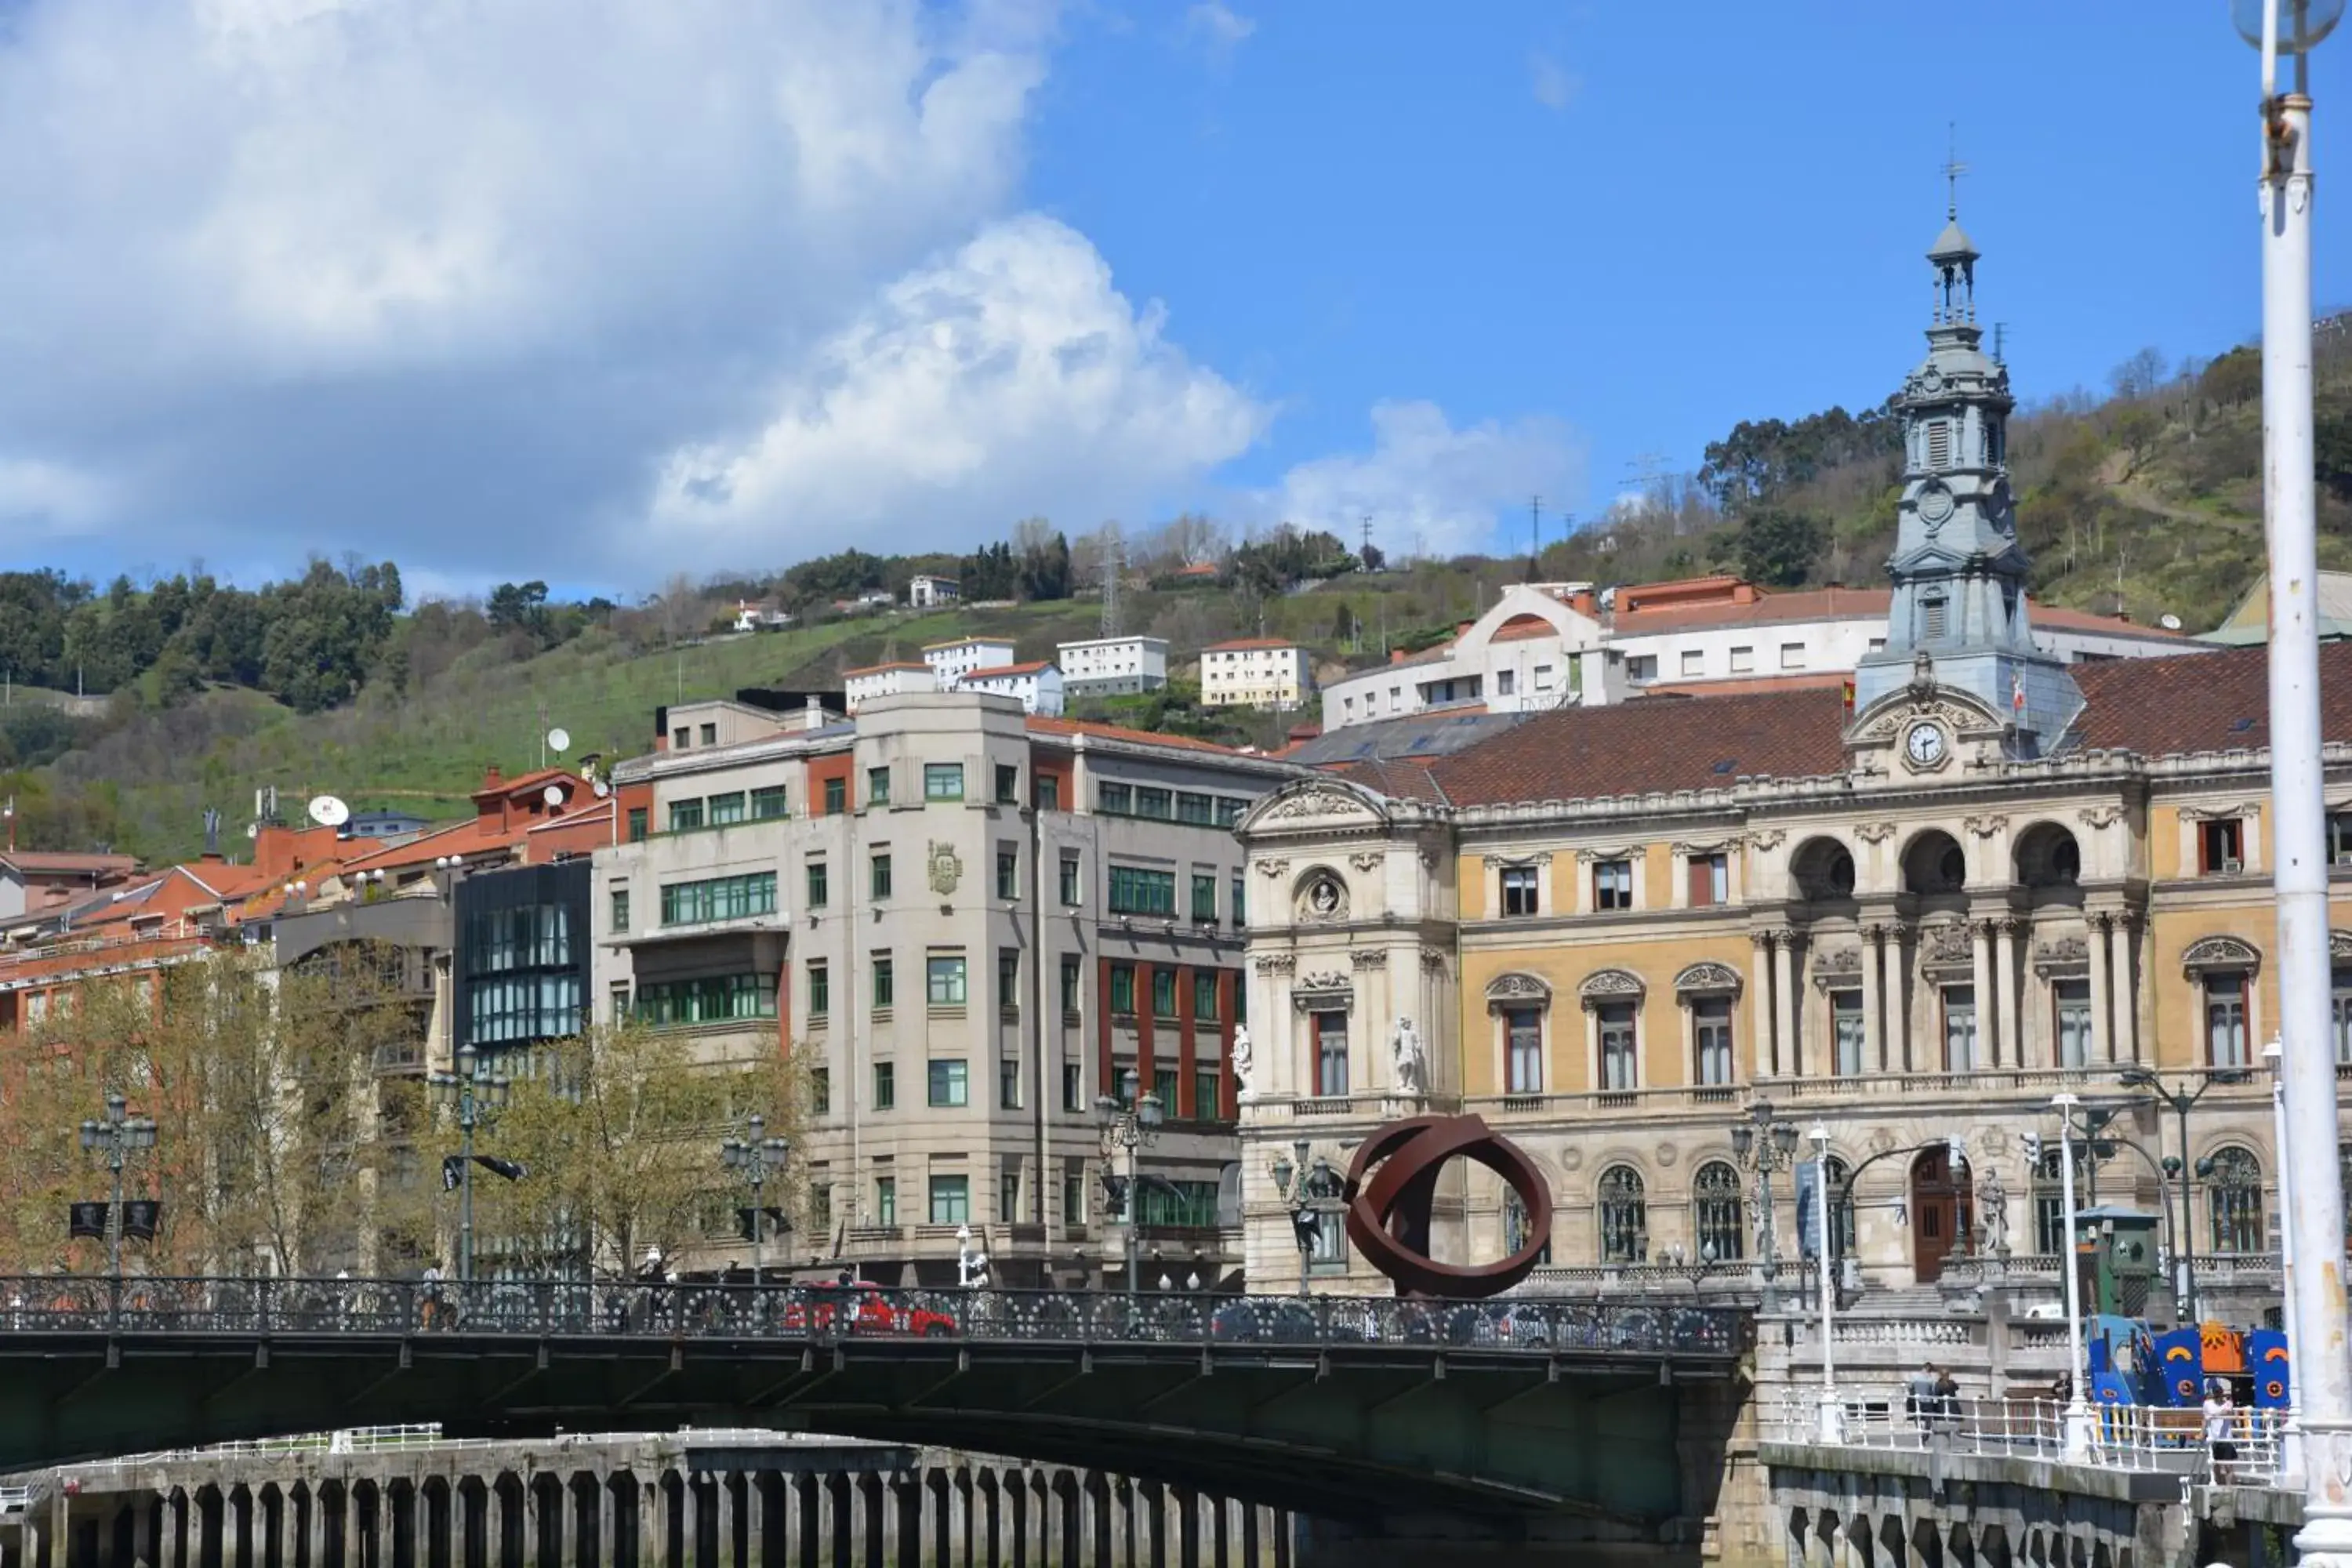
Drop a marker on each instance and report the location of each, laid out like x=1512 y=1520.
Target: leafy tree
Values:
x=1372 y=558
x=1760 y=458
x=1778 y=548
x=990 y=572
x=519 y=606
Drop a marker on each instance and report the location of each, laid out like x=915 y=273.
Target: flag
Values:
x=2017 y=689
x=85 y=1219
x=1846 y=691
x=141 y=1217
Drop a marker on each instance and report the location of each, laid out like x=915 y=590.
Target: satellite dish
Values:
x=559 y=741
x=552 y=794
x=327 y=811
x=2168 y=622
x=253 y=830
x=2316 y=19
x=601 y=789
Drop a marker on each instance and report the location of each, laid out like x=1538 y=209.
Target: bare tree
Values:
x=2139 y=376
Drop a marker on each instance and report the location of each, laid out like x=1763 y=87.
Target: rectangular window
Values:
x=1158 y=804
x=2340 y=1007
x=1330 y=1245
x=712 y=999
x=1048 y=793
x=1136 y=891
x=2225 y=1020
x=1122 y=989
x=768 y=803
x=618 y=995
x=820 y=987
x=820 y=1192
x=1845 y=1032
x=942 y=781
x=836 y=796
x=1239 y=922
x=877 y=875
x=1008 y=785
x=711 y=735
x=1619 y=1069
x=1711 y=1039
x=1612 y=884
x=1331 y=1053
x=1163 y=992
x=620 y=901
x=1710 y=881
x=820 y=1091
x=1642 y=667
x=1519 y=890
x=1074 y=1192
x=1204 y=995
x=1008 y=873
x=681 y=738
x=1069 y=878
x=1008 y=1194
x=1959 y=1028
x=2072 y=999
x=1231 y=810
x=1694 y=661
x=2220 y=846
x=1201 y=810
x=1522 y=1050
x=1506 y=682
x=1743 y=660
x=1792 y=656
x=1008 y=1084
x=885 y=1200
x=636 y=824
x=1208 y=1104
x=1163 y=1086
x=886 y=1086
x=819 y=890
x=2339 y=838
x=1070 y=972
x=1008 y=978
x=949 y=1089
x=945 y=980
x=1205 y=896
x=1931 y=618
x=878 y=786
x=725 y=808
x=1074 y=1087
x=685 y=815
x=1114 y=799
x=718 y=898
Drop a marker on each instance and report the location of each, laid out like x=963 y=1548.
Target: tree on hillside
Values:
x=1778 y=548
x=2233 y=379
x=990 y=573
x=519 y=607
x=2140 y=375
x=1045 y=557
x=1759 y=459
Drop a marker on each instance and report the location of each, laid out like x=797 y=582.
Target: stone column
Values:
x=314 y=1528
x=494 y=1521
x=143 y=1532
x=2102 y=1046
x=649 y=1510
x=607 y=1556
x=1874 y=1029
x=827 y=1506
x=531 y=1524
x=1789 y=1053
x=755 y=1519
x=2004 y=985
x=1980 y=988
x=239 y=1551
x=167 y=1549
x=453 y=1521
x=2121 y=995
x=281 y=1528
x=354 y=1540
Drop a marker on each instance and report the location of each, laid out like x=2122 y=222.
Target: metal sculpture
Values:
x=1393 y=1188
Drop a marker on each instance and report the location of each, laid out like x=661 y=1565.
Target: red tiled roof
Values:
x=1399 y=778
x=879 y=669
x=2085 y=621
x=1238 y=644
x=2201 y=702
x=1198 y=569
x=1652 y=743
x=69 y=863
x=1741 y=686
x=1519 y=629
x=1041 y=725
x=1032 y=667
x=1767 y=609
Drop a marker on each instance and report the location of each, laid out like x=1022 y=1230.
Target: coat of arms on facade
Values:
x=947 y=870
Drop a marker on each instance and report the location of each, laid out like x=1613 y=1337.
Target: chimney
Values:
x=816 y=714
x=1398 y=655
x=493 y=778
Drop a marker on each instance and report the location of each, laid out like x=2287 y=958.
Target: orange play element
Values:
x=2225 y=1351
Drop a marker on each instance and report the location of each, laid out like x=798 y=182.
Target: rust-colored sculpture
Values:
x=1392 y=1186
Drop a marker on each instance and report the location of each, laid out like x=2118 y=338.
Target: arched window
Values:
x=1515 y=1227
x=2224 y=968
x=2233 y=1195
x=1624 y=1216
x=1715 y=1212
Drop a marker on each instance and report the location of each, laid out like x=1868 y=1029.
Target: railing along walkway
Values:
x=2134 y=1437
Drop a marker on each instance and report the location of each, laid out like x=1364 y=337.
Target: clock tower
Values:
x=1959 y=615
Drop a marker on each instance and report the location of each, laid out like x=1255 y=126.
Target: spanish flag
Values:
x=1845 y=689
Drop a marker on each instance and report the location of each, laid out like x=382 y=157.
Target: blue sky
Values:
x=601 y=291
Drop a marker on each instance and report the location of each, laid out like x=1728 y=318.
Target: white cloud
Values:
x=1220 y=28
x=1425 y=481
x=1555 y=85
x=1010 y=371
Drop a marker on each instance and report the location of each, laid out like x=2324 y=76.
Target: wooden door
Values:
x=1940 y=1217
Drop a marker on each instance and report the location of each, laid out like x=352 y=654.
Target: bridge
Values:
x=1532 y=1415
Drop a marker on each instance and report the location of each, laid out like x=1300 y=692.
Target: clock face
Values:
x=1925 y=744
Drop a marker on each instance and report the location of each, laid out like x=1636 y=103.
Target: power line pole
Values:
x=1112 y=563
x=1535 y=536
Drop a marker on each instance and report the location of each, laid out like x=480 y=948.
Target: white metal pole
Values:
x=2291 y=1431
x=2299 y=877
x=2078 y=1411
x=1832 y=1413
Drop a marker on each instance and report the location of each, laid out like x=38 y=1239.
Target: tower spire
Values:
x=1953 y=170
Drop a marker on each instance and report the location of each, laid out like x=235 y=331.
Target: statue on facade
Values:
x=1411 y=1062
x=1245 y=1058
x=1992 y=1208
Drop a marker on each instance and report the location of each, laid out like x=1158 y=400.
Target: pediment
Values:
x=1321 y=804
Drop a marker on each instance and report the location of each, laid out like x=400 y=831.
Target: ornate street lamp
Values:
x=1310 y=1188
x=1766 y=1145
x=479 y=1095
x=1129 y=1124
x=116 y=1136
x=753 y=1156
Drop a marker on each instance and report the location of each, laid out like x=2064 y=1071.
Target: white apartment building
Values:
x=973 y=923
x=951 y=661
x=1113 y=667
x=932 y=593
x=1037 y=685
x=859 y=686
x=1255 y=672
x=1548 y=644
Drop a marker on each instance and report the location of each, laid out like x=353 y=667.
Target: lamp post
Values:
x=751 y=1156
x=2078 y=1413
x=115 y=1136
x=1127 y=1124
x=479 y=1095
x=2184 y=1235
x=2291 y=1432
x=2299 y=821
x=972 y=1262
x=1767 y=1145
x=1832 y=1413
x=1311 y=1189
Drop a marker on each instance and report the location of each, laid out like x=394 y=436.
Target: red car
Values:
x=868 y=1308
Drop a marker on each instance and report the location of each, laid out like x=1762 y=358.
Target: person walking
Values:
x=1919 y=1390
x=2220 y=1428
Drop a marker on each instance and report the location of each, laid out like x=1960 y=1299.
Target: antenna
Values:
x=1367 y=537
x=1113 y=550
x=212 y=831
x=1534 y=535
x=327 y=811
x=1999 y=342
x=1953 y=170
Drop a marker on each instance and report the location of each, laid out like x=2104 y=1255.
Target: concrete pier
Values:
x=694 y=1500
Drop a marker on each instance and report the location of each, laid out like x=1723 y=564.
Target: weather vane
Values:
x=1953 y=170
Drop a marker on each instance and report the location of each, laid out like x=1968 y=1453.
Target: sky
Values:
x=599 y=292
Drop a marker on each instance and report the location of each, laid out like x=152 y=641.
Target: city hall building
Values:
x=1907 y=921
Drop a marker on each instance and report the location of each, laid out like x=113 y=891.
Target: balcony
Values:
x=702 y=930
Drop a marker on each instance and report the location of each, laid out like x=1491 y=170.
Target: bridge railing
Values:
x=671 y=1310
x=2138 y=1438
